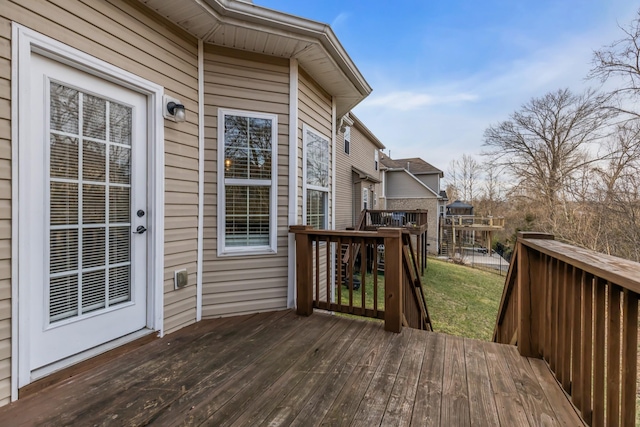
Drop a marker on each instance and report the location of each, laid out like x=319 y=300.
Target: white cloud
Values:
x=448 y=118
x=406 y=100
x=339 y=20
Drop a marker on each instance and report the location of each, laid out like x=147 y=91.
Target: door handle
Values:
x=140 y=230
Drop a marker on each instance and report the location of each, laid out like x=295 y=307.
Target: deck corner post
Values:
x=392 y=279
x=530 y=300
x=304 y=270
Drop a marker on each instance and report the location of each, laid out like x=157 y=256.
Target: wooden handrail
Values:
x=321 y=281
x=578 y=310
x=415 y=308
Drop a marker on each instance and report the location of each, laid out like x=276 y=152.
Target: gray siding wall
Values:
x=244 y=284
x=400 y=184
x=128 y=35
x=431 y=181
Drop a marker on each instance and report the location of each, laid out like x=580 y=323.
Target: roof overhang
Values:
x=245 y=26
x=364 y=176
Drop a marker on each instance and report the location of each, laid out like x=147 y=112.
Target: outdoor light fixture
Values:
x=173 y=110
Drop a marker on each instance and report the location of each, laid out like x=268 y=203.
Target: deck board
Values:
x=282 y=369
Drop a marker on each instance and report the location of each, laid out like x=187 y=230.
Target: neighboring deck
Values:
x=282 y=369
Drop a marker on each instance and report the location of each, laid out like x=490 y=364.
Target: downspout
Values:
x=200 y=179
x=293 y=178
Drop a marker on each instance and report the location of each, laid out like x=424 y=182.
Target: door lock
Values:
x=140 y=230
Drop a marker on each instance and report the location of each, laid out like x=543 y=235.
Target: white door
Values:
x=84 y=200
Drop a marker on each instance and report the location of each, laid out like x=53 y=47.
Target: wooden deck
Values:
x=282 y=369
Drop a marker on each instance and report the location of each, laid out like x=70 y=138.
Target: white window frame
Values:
x=305 y=186
x=347 y=140
x=365 y=198
x=376 y=159
x=272 y=247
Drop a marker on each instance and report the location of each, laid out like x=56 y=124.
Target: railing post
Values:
x=529 y=298
x=304 y=270
x=392 y=278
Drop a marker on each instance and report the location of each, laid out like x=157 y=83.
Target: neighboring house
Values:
x=411 y=184
x=358 y=172
x=123 y=213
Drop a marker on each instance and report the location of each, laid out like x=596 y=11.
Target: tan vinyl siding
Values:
x=5 y=210
x=348 y=193
x=314 y=109
x=244 y=283
x=127 y=35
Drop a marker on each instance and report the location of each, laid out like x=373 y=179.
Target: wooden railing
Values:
x=380 y=280
x=473 y=221
x=578 y=310
x=395 y=218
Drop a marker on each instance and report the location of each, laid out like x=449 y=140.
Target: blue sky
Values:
x=442 y=71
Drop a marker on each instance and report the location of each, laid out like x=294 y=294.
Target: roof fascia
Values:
x=293 y=24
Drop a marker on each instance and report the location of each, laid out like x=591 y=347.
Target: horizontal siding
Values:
x=127 y=35
x=235 y=285
x=314 y=109
x=5 y=211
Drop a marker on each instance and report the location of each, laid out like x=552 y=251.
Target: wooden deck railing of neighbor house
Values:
x=473 y=221
x=578 y=310
x=414 y=221
x=395 y=218
x=358 y=286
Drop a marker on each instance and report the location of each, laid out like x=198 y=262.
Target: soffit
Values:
x=245 y=26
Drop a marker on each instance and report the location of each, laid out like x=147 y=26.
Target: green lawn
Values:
x=462 y=300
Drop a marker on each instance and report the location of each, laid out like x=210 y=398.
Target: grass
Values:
x=368 y=294
x=461 y=300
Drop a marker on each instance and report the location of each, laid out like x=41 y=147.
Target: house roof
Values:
x=366 y=132
x=415 y=165
x=249 y=27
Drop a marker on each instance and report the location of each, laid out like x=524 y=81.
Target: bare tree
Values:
x=464 y=175
x=621 y=59
x=544 y=144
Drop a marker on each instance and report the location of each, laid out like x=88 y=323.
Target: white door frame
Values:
x=25 y=42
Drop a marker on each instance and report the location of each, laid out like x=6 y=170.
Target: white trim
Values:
x=332 y=147
x=24 y=42
x=306 y=129
x=272 y=248
x=293 y=178
x=15 y=218
x=334 y=150
x=200 y=180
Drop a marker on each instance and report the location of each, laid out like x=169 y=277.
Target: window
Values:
x=316 y=165
x=247 y=159
x=347 y=139
x=365 y=198
x=376 y=155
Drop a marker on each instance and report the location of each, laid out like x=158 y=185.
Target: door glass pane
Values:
x=64 y=108
x=94 y=124
x=119 y=124
x=63 y=297
x=90 y=173
x=64 y=157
